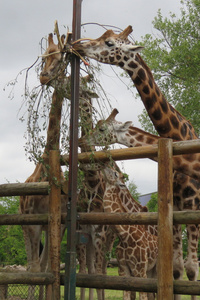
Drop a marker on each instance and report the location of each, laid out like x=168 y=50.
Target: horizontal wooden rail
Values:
x=145 y=218
x=183 y=147
x=133 y=284
x=100 y=281
x=28 y=188
x=24 y=219
x=26 y=278
x=179 y=217
x=20 y=189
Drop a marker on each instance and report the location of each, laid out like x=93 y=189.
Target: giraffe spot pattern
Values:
x=174 y=121
x=104 y=53
x=132 y=65
x=146 y=90
x=189 y=157
x=157 y=115
x=187 y=204
x=137 y=80
x=150 y=140
x=121 y=64
x=142 y=74
x=184 y=130
x=188 y=192
x=175 y=136
x=150 y=82
x=130 y=73
x=157 y=91
x=140 y=138
x=163 y=128
x=195 y=183
x=149 y=102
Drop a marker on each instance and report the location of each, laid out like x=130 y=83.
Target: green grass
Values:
x=111 y=294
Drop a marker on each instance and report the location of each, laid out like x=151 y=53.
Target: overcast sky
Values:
x=23 y=24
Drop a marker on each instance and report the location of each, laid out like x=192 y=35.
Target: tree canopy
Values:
x=12 y=249
x=173 y=54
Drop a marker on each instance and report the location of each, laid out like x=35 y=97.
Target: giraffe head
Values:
x=113 y=176
x=53 y=61
x=110 y=48
x=106 y=131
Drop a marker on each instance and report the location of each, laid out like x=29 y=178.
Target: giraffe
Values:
x=116 y=49
x=111 y=131
x=39 y=204
x=138 y=248
x=100 y=237
x=131 y=205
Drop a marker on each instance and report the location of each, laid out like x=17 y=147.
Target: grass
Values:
x=111 y=294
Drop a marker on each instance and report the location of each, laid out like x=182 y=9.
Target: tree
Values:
x=12 y=249
x=133 y=190
x=173 y=55
x=152 y=205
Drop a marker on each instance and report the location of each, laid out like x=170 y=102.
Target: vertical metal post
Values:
x=165 y=220
x=54 y=222
x=70 y=268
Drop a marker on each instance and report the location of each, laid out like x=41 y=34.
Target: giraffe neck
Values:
x=53 y=132
x=167 y=121
x=135 y=137
x=122 y=198
x=114 y=203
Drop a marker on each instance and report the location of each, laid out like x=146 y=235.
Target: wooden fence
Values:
x=164 y=285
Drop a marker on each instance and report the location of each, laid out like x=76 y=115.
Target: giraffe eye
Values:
x=101 y=129
x=109 y=43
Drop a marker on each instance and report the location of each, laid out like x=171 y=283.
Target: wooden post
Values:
x=165 y=220
x=54 y=222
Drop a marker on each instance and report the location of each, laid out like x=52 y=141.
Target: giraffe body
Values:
x=138 y=249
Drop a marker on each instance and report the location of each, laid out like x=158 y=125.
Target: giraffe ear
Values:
x=125 y=126
x=133 y=48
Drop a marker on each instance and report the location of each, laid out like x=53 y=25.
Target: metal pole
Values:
x=70 y=268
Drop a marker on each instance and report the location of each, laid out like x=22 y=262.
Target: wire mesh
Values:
x=22 y=292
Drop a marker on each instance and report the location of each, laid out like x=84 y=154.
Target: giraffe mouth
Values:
x=122 y=185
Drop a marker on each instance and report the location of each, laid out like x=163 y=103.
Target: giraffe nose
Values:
x=44 y=78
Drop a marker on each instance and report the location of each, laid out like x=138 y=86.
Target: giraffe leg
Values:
x=152 y=274
x=81 y=253
x=32 y=240
x=123 y=270
x=99 y=258
x=44 y=263
x=191 y=262
x=90 y=263
x=178 y=263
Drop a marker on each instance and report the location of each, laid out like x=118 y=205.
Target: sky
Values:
x=23 y=25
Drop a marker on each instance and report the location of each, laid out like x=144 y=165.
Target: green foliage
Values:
x=12 y=249
x=133 y=190
x=152 y=205
x=173 y=55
